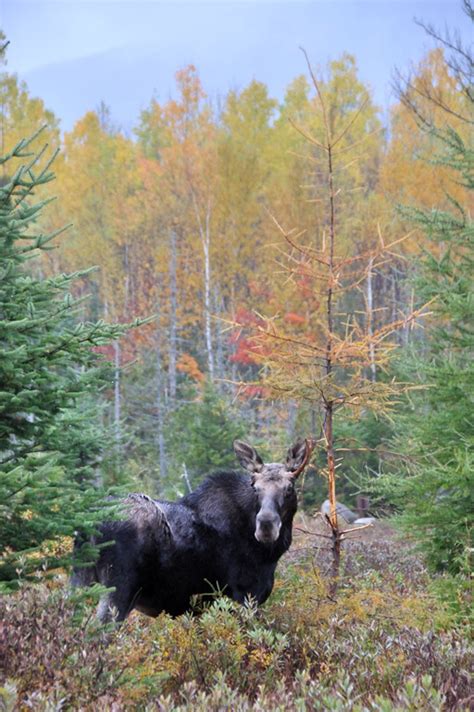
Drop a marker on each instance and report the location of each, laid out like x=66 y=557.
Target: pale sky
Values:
x=75 y=53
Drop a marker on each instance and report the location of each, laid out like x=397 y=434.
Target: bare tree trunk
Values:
x=406 y=328
x=185 y=477
x=218 y=309
x=207 y=307
x=206 y=247
x=160 y=400
x=394 y=295
x=117 y=396
x=329 y=404
x=370 y=328
x=205 y=235
x=127 y=280
x=291 y=420
x=233 y=373
x=172 y=354
x=313 y=422
x=333 y=521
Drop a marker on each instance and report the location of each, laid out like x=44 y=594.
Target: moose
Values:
x=225 y=536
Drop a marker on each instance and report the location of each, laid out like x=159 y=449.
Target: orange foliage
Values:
x=188 y=364
x=293 y=318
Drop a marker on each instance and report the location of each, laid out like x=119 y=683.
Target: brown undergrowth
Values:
x=385 y=644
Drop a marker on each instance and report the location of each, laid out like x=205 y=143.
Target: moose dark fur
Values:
x=227 y=535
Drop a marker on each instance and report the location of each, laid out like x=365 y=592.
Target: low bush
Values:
x=386 y=644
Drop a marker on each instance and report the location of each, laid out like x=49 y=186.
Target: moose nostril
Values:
x=268 y=522
x=268 y=527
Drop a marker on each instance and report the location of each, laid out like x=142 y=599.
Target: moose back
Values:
x=227 y=535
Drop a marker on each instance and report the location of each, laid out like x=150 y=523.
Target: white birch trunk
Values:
x=218 y=309
x=205 y=235
x=172 y=354
x=206 y=246
x=185 y=477
x=160 y=403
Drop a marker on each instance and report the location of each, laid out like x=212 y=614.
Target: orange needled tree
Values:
x=333 y=358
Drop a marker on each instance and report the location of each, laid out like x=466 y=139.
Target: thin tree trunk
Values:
x=233 y=348
x=126 y=266
x=394 y=299
x=205 y=235
x=185 y=477
x=160 y=400
x=329 y=404
x=207 y=307
x=218 y=309
x=406 y=328
x=328 y=401
x=172 y=354
x=292 y=410
x=336 y=533
x=117 y=396
x=370 y=328
x=206 y=246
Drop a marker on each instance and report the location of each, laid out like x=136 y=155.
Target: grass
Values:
x=387 y=643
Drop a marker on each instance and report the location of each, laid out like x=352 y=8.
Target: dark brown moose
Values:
x=227 y=536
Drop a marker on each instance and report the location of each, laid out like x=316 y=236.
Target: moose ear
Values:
x=248 y=456
x=297 y=457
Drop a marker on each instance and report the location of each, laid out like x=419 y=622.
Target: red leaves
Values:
x=294 y=318
x=246 y=346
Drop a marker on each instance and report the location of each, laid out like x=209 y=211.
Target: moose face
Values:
x=274 y=486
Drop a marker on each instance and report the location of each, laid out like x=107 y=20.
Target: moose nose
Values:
x=267 y=521
x=268 y=527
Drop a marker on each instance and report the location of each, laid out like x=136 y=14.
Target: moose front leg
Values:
x=116 y=605
x=257 y=586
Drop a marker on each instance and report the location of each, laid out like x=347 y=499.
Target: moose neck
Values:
x=227 y=503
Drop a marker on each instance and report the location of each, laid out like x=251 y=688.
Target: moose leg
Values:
x=117 y=605
x=105 y=609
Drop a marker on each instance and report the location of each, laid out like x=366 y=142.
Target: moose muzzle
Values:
x=268 y=525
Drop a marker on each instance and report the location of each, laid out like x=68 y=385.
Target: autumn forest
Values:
x=182 y=220
x=239 y=267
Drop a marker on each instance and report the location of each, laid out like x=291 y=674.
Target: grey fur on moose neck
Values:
x=227 y=535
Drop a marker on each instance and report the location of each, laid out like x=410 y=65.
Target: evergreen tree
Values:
x=436 y=493
x=51 y=439
x=201 y=433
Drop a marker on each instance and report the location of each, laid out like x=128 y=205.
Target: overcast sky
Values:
x=75 y=53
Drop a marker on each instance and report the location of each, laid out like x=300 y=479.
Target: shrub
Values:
x=387 y=644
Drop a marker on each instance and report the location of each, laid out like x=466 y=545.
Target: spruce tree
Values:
x=51 y=375
x=436 y=491
x=200 y=435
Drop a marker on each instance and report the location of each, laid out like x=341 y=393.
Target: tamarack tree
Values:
x=329 y=357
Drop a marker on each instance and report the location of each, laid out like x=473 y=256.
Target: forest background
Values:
x=264 y=270
x=182 y=219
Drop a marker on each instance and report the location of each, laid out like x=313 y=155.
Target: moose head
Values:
x=274 y=485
